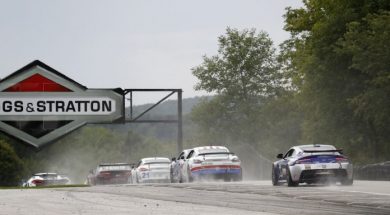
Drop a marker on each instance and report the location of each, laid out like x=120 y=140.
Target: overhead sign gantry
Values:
x=39 y=105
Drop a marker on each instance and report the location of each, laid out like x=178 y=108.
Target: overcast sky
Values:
x=126 y=43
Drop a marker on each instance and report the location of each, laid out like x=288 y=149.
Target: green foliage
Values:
x=11 y=166
x=244 y=67
x=339 y=51
x=253 y=107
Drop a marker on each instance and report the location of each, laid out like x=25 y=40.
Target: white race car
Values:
x=312 y=164
x=46 y=179
x=152 y=170
x=212 y=162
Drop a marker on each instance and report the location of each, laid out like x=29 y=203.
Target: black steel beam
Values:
x=153 y=106
x=152 y=121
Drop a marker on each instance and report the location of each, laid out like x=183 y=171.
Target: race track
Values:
x=249 y=197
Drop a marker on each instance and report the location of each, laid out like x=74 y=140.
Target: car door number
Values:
x=145 y=175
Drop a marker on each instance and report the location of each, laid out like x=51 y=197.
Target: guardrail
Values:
x=378 y=171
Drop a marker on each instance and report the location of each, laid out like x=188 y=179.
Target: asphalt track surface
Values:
x=223 y=198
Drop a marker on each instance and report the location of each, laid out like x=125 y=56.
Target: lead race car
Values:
x=46 y=179
x=212 y=162
x=312 y=164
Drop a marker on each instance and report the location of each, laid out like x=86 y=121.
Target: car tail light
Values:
x=342 y=160
x=143 y=169
x=105 y=174
x=37 y=181
x=303 y=161
x=197 y=161
x=235 y=159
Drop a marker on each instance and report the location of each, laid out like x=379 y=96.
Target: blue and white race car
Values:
x=212 y=162
x=312 y=164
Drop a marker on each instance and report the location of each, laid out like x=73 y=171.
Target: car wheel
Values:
x=290 y=182
x=189 y=177
x=347 y=182
x=180 y=177
x=237 y=177
x=275 y=177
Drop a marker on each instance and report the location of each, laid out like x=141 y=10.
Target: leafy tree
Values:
x=244 y=74
x=11 y=166
x=339 y=62
x=244 y=68
x=368 y=44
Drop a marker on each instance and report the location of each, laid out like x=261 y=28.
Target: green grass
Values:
x=47 y=187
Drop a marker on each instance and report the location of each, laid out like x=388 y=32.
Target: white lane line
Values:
x=372 y=193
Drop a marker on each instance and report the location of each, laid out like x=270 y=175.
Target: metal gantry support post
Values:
x=179 y=122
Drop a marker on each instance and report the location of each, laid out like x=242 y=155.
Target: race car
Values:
x=212 y=162
x=46 y=179
x=177 y=166
x=110 y=173
x=312 y=164
x=152 y=170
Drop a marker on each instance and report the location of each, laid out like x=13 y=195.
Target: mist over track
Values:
x=248 y=197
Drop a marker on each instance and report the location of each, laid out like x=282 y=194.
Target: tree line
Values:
x=329 y=83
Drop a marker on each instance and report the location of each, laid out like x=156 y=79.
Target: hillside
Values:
x=166 y=108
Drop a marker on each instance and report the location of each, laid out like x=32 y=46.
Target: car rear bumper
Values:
x=312 y=176
x=154 y=177
x=116 y=180
x=216 y=170
x=312 y=173
x=164 y=180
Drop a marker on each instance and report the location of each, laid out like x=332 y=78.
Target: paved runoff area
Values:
x=224 y=198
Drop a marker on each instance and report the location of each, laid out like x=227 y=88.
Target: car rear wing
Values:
x=319 y=151
x=114 y=164
x=217 y=153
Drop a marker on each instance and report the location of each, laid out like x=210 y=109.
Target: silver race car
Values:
x=312 y=164
x=152 y=170
x=212 y=162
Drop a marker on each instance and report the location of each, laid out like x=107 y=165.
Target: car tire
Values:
x=290 y=182
x=237 y=177
x=347 y=182
x=180 y=178
x=189 y=177
x=275 y=177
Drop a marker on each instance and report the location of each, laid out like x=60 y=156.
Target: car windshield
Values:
x=156 y=160
x=47 y=176
x=158 y=163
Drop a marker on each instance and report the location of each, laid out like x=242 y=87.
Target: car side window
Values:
x=181 y=155
x=289 y=153
x=190 y=154
x=295 y=152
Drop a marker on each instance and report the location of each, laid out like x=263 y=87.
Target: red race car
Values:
x=110 y=173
